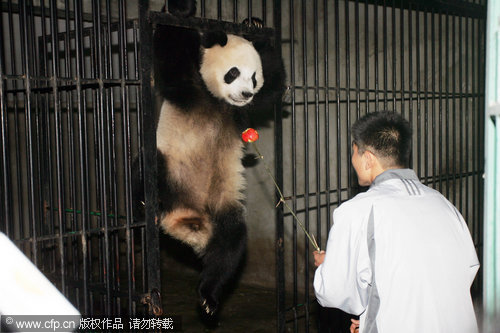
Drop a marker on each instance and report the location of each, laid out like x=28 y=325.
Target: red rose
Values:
x=250 y=135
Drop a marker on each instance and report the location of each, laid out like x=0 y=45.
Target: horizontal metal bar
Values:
x=374 y=100
x=37 y=11
x=419 y=93
x=453 y=7
x=86 y=84
x=97 y=287
x=86 y=32
x=80 y=232
x=209 y=24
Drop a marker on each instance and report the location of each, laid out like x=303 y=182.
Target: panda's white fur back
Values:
x=203 y=154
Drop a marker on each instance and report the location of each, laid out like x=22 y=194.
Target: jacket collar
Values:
x=394 y=174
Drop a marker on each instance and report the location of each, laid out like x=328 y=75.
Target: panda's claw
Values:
x=253 y=22
x=208 y=306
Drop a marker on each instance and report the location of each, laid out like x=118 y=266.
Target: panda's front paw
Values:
x=253 y=22
x=208 y=304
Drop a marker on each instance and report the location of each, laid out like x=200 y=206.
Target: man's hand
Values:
x=319 y=257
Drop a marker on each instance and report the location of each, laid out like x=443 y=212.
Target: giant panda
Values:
x=209 y=83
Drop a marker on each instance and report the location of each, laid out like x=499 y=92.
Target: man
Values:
x=399 y=255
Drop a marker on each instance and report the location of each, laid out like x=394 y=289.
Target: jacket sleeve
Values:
x=470 y=255
x=342 y=280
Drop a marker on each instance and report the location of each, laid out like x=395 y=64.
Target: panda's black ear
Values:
x=212 y=38
x=260 y=44
x=181 y=8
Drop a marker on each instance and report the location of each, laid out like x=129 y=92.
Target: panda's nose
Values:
x=247 y=94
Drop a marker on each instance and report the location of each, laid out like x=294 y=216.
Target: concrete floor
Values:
x=246 y=309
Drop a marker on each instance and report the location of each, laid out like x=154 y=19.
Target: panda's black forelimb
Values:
x=223 y=256
x=176 y=53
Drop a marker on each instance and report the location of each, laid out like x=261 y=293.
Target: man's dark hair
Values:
x=386 y=134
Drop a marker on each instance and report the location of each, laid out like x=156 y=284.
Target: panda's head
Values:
x=232 y=71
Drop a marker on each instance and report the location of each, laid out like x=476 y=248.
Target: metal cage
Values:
x=77 y=108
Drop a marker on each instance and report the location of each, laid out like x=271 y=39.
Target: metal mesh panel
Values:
x=71 y=93
x=424 y=60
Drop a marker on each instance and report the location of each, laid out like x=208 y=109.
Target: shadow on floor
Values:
x=245 y=309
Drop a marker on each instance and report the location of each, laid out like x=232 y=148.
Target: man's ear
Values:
x=369 y=159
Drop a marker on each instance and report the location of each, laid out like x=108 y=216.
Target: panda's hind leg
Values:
x=223 y=256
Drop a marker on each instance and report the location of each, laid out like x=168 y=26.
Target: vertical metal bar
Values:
x=48 y=159
x=475 y=132
x=127 y=155
x=475 y=106
x=434 y=99
x=358 y=63
x=4 y=200
x=37 y=188
x=348 y=95
x=278 y=143
x=105 y=103
x=264 y=12
x=317 y=120
x=28 y=71
x=17 y=149
x=393 y=25
x=306 y=159
x=454 y=113
x=481 y=122
x=468 y=110
x=58 y=136
x=108 y=67
x=402 y=50
x=410 y=77
x=71 y=158
x=4 y=139
x=327 y=118
x=83 y=167
x=139 y=135
x=104 y=179
x=461 y=113
x=148 y=120
x=426 y=99
x=281 y=278
x=384 y=36
x=367 y=61
x=337 y=87
x=419 y=117
x=106 y=100
x=375 y=51
x=441 y=92
x=235 y=11
x=447 y=106
x=249 y=10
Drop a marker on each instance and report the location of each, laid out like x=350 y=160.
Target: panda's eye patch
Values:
x=231 y=75
x=254 y=80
